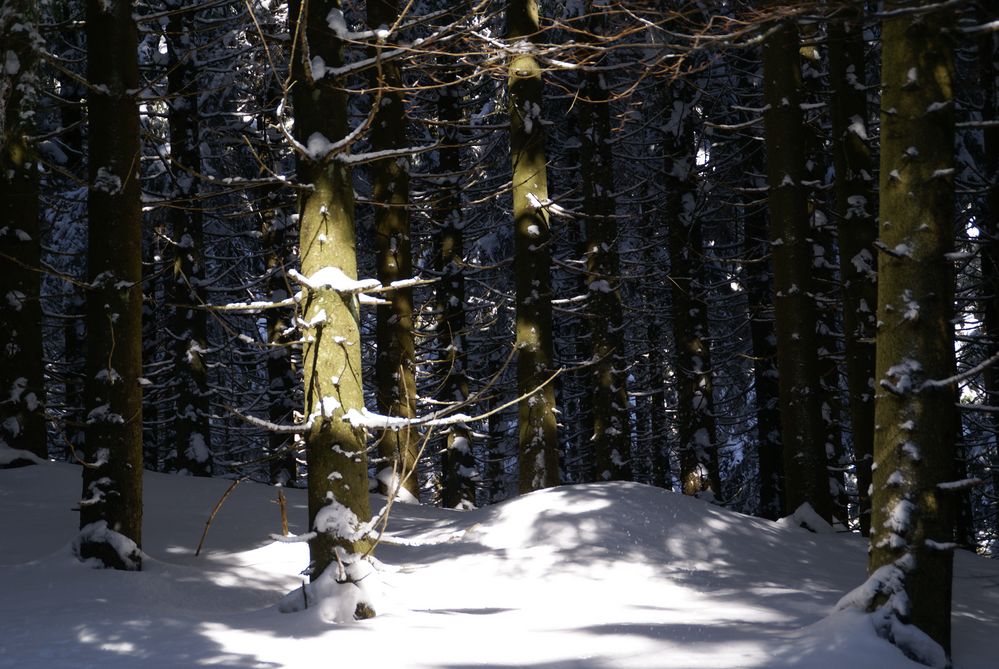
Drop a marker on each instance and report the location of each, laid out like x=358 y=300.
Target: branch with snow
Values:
x=335 y=279
x=957 y=378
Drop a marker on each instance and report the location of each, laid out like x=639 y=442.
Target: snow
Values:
x=857 y=127
x=604 y=575
x=318 y=66
x=11 y=63
x=337 y=23
x=390 y=479
x=15 y=456
x=805 y=517
x=317 y=145
x=107 y=181
x=334 y=278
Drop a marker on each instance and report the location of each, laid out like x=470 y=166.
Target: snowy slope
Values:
x=602 y=576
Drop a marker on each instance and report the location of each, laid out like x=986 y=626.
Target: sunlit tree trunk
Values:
x=337 y=474
x=538 y=445
x=805 y=471
x=914 y=434
x=22 y=418
x=112 y=479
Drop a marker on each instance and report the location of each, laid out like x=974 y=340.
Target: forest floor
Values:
x=603 y=576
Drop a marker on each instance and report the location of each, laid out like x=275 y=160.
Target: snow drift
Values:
x=602 y=576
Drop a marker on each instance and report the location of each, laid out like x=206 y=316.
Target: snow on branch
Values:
x=269 y=426
x=335 y=279
x=957 y=378
x=958 y=486
x=257 y=305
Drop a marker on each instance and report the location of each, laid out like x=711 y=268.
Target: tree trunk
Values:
x=279 y=238
x=806 y=476
x=988 y=224
x=825 y=278
x=698 y=445
x=22 y=415
x=459 y=469
x=766 y=388
x=538 y=445
x=112 y=479
x=188 y=323
x=855 y=203
x=395 y=363
x=611 y=436
x=336 y=453
x=912 y=518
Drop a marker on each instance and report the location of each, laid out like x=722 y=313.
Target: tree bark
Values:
x=458 y=466
x=855 y=201
x=112 y=479
x=611 y=436
x=22 y=415
x=336 y=453
x=188 y=322
x=395 y=362
x=988 y=59
x=805 y=471
x=698 y=439
x=538 y=445
x=912 y=518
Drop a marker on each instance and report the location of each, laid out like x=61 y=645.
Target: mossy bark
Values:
x=336 y=453
x=537 y=438
x=914 y=434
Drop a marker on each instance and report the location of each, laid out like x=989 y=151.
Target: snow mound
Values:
x=595 y=576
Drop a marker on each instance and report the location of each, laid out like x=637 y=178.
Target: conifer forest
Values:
x=448 y=254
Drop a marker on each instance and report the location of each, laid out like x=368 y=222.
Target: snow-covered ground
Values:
x=604 y=576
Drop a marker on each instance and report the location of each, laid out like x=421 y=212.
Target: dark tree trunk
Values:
x=805 y=471
x=112 y=480
x=22 y=415
x=459 y=469
x=395 y=363
x=855 y=206
x=611 y=421
x=188 y=322
x=698 y=445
